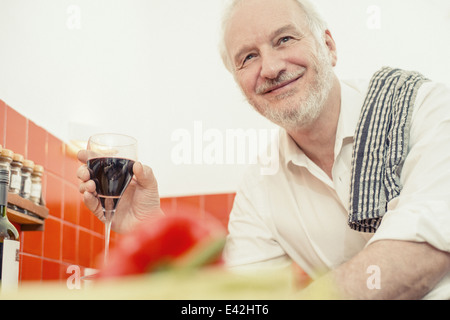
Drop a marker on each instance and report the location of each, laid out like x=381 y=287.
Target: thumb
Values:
x=144 y=175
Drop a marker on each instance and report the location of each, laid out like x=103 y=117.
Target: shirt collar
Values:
x=352 y=99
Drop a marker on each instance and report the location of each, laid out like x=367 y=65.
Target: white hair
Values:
x=314 y=20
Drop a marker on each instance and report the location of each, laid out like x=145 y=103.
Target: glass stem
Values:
x=108 y=215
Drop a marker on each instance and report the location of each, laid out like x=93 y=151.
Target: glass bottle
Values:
x=16 y=175
x=36 y=184
x=9 y=236
x=25 y=186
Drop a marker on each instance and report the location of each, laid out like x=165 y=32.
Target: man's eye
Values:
x=248 y=57
x=284 y=39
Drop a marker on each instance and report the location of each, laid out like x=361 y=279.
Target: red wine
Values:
x=111 y=177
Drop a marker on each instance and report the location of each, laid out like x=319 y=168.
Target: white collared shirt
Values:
x=299 y=213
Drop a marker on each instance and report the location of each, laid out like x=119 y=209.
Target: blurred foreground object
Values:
x=209 y=283
x=166 y=243
x=178 y=258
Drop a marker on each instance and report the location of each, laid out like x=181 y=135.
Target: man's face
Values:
x=278 y=63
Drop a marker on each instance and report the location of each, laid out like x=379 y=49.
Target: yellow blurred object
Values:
x=209 y=284
x=212 y=283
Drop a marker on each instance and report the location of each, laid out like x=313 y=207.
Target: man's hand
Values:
x=139 y=202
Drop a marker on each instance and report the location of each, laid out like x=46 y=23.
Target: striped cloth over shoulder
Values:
x=381 y=145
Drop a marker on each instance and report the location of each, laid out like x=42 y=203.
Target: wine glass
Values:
x=110 y=163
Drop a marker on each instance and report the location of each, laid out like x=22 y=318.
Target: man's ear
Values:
x=331 y=45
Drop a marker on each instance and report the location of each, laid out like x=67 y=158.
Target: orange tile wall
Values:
x=72 y=235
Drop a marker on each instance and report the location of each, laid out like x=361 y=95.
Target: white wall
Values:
x=150 y=68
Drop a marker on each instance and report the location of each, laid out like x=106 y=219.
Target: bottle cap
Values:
x=7 y=153
x=18 y=157
x=38 y=169
x=28 y=163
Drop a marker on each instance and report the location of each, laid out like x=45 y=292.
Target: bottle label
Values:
x=36 y=190
x=25 y=188
x=15 y=182
x=10 y=265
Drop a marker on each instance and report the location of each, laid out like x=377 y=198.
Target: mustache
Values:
x=282 y=78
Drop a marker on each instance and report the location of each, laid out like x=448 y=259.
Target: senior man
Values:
x=364 y=172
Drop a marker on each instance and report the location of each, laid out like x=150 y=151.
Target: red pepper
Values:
x=166 y=242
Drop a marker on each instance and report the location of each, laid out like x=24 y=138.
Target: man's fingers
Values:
x=83 y=173
x=88 y=186
x=93 y=204
x=82 y=156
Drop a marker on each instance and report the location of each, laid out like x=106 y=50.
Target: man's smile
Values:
x=281 y=86
x=283 y=82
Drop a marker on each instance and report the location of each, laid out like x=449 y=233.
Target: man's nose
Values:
x=272 y=64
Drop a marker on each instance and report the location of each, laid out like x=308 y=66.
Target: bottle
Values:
x=16 y=174
x=9 y=236
x=25 y=187
x=36 y=184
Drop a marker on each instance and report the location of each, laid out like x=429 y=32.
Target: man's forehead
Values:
x=253 y=18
